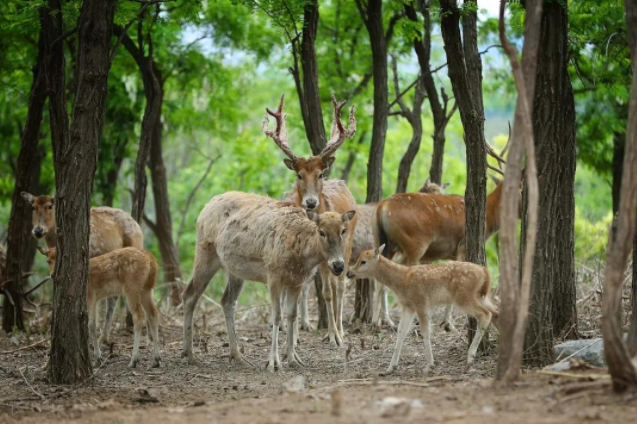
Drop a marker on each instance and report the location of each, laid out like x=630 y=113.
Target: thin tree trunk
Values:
x=553 y=296
x=618 y=357
x=362 y=306
x=108 y=192
x=20 y=242
x=515 y=291
x=76 y=152
x=162 y=227
x=374 y=23
x=619 y=140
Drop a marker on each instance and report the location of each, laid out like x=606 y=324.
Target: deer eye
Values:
x=322 y=233
x=321 y=176
x=343 y=231
x=51 y=206
x=363 y=262
x=298 y=176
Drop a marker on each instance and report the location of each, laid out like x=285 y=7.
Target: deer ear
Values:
x=379 y=251
x=347 y=216
x=43 y=251
x=27 y=197
x=327 y=162
x=445 y=185
x=495 y=180
x=289 y=163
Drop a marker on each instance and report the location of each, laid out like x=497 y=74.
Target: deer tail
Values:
x=486 y=299
x=381 y=234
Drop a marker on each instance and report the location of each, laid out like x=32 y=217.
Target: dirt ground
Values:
x=340 y=385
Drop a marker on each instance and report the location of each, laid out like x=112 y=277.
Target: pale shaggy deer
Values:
x=364 y=240
x=314 y=193
x=422 y=228
x=257 y=238
x=129 y=272
x=420 y=288
x=111 y=229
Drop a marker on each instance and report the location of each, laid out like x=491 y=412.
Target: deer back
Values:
x=112 y=229
x=124 y=270
x=363 y=235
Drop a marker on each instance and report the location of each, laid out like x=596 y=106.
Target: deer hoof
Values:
x=156 y=364
x=390 y=371
x=449 y=327
x=305 y=326
x=133 y=363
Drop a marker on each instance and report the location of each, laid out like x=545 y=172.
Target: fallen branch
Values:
x=26 y=347
x=29 y=385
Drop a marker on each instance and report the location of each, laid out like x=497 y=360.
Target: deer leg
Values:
x=206 y=265
x=329 y=295
x=136 y=309
x=341 y=285
x=423 y=318
x=274 y=362
x=111 y=303
x=484 y=318
x=292 y=305
x=152 y=321
x=92 y=329
x=305 y=317
x=229 y=303
x=284 y=297
x=404 y=327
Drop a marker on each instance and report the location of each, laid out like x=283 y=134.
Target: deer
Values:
x=253 y=237
x=313 y=192
x=422 y=287
x=364 y=240
x=111 y=229
x=129 y=272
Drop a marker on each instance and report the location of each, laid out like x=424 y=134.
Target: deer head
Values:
x=310 y=172
x=332 y=229
x=43 y=218
x=367 y=263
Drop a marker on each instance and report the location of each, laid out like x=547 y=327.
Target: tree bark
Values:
x=553 y=296
x=110 y=184
x=619 y=139
x=20 y=242
x=76 y=152
x=362 y=307
x=618 y=357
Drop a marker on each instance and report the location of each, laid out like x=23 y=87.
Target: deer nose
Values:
x=38 y=232
x=311 y=203
x=338 y=267
x=350 y=275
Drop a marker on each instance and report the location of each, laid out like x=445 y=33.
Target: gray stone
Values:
x=589 y=350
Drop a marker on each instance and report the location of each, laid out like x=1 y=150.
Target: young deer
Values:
x=364 y=240
x=419 y=288
x=312 y=192
x=111 y=229
x=128 y=272
x=260 y=239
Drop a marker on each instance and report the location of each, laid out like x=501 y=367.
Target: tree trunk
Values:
x=404 y=168
x=619 y=139
x=108 y=191
x=313 y=115
x=374 y=23
x=20 y=242
x=465 y=73
x=76 y=152
x=362 y=308
x=162 y=227
x=553 y=296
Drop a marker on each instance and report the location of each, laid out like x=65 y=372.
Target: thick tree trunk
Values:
x=76 y=152
x=374 y=24
x=162 y=227
x=20 y=242
x=553 y=297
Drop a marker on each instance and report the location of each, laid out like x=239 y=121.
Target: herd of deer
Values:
x=318 y=227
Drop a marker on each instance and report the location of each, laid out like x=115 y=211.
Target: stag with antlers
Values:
x=314 y=193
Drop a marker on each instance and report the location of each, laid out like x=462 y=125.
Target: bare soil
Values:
x=341 y=385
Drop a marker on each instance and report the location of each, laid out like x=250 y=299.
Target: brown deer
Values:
x=364 y=240
x=256 y=238
x=129 y=272
x=111 y=229
x=420 y=288
x=422 y=228
x=312 y=192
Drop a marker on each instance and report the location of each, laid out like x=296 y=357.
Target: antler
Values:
x=280 y=134
x=499 y=157
x=338 y=133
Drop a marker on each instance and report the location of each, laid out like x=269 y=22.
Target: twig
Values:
x=592 y=376
x=29 y=385
x=574 y=354
x=25 y=347
x=37 y=286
